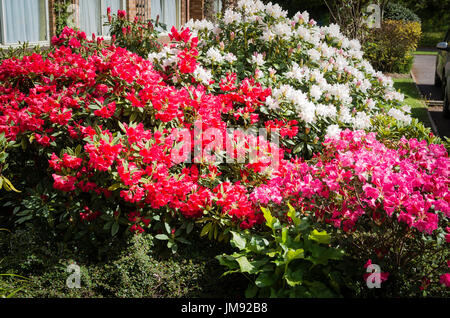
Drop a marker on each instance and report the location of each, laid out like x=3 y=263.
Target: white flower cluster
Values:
x=324 y=78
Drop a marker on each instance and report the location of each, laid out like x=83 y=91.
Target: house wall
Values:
x=196 y=8
x=189 y=9
x=133 y=11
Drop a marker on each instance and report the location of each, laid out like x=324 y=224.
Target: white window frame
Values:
x=102 y=7
x=178 y=25
x=4 y=44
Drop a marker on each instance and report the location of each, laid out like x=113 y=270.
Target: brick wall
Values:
x=196 y=9
x=51 y=18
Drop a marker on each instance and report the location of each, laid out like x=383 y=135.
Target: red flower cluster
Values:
x=81 y=92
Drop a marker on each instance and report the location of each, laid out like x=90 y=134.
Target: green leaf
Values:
x=270 y=220
x=245 y=265
x=294 y=278
x=189 y=227
x=114 y=229
x=238 y=241
x=293 y=215
x=284 y=235
x=133 y=117
x=114 y=187
x=320 y=237
x=183 y=240
x=9 y=185
x=162 y=237
x=291 y=254
x=251 y=291
x=206 y=229
x=228 y=261
x=257 y=244
x=265 y=279
x=167 y=227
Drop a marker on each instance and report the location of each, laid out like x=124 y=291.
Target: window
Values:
x=92 y=15
x=168 y=11
x=217 y=6
x=23 y=21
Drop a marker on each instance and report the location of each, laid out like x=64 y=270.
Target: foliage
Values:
x=4 y=146
x=390 y=131
x=62 y=14
x=9 y=282
x=293 y=259
x=433 y=13
x=140 y=37
x=396 y=11
x=431 y=39
x=390 y=48
x=133 y=268
x=20 y=51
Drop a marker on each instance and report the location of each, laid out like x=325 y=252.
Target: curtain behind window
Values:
x=25 y=21
x=217 y=6
x=115 y=5
x=170 y=13
x=167 y=11
x=90 y=14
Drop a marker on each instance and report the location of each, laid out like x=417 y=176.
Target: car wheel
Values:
x=437 y=80
x=446 y=110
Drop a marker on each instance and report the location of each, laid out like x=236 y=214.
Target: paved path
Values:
x=423 y=73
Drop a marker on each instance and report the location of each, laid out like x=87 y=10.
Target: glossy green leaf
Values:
x=238 y=241
x=320 y=237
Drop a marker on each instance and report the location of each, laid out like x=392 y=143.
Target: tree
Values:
x=351 y=15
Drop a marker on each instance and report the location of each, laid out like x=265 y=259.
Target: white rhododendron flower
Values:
x=316 y=75
x=203 y=75
x=258 y=59
x=215 y=55
x=333 y=131
x=231 y=16
x=230 y=57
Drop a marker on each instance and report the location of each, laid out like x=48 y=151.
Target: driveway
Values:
x=423 y=73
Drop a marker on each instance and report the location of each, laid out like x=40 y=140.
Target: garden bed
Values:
x=271 y=137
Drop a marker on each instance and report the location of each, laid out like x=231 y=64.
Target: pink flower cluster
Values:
x=356 y=175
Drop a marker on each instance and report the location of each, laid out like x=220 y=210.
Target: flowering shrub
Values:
x=391 y=203
x=318 y=77
x=76 y=112
x=110 y=145
x=138 y=37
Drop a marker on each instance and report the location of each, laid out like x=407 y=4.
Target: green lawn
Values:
x=413 y=99
x=425 y=52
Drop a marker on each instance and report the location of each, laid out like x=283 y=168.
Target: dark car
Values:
x=442 y=76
